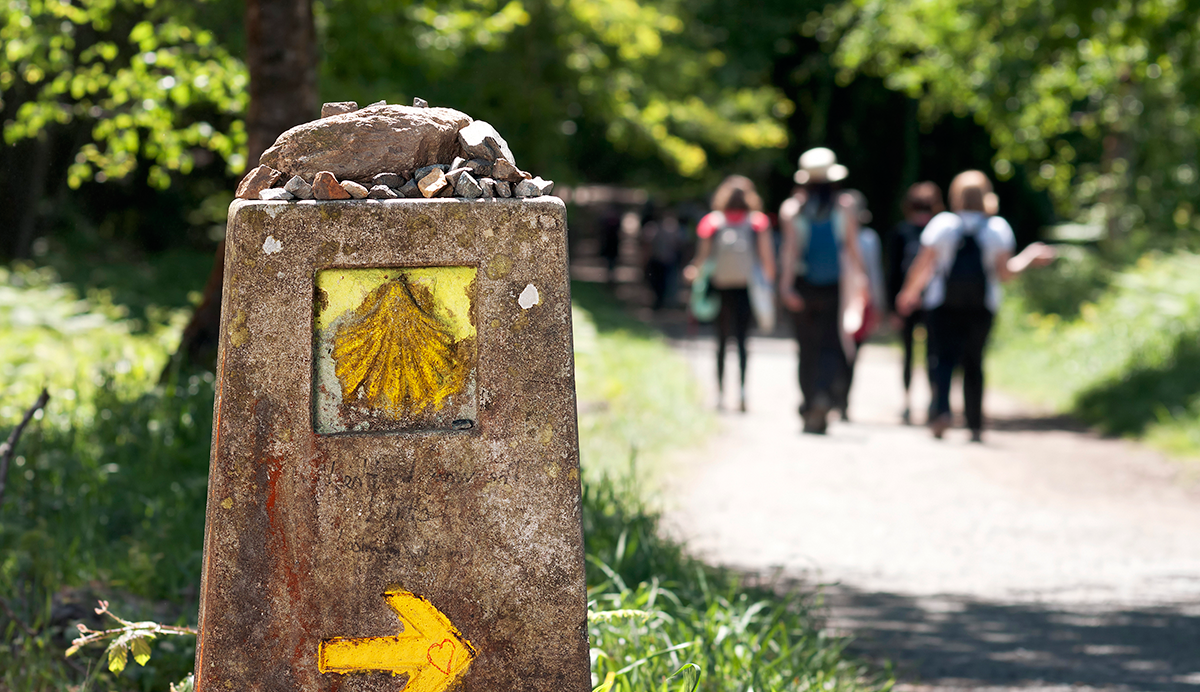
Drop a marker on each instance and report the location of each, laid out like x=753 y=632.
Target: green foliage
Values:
x=139 y=74
x=1128 y=362
x=636 y=398
x=643 y=78
x=1098 y=100
x=108 y=486
x=129 y=637
x=1077 y=278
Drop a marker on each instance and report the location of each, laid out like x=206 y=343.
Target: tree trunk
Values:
x=281 y=54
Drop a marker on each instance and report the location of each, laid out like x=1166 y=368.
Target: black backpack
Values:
x=967 y=283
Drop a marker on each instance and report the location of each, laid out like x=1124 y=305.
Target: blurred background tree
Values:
x=127 y=122
x=127 y=92
x=1097 y=100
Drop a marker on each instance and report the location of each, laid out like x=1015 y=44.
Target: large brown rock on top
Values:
x=356 y=146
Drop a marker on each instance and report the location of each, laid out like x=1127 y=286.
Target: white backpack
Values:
x=733 y=254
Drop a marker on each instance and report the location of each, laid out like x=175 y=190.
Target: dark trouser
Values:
x=958 y=336
x=734 y=319
x=823 y=369
x=661 y=277
x=910 y=325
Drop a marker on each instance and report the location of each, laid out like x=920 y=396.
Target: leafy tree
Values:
x=93 y=90
x=1096 y=99
x=607 y=90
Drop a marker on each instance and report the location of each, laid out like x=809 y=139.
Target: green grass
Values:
x=636 y=398
x=106 y=500
x=1126 y=360
x=655 y=610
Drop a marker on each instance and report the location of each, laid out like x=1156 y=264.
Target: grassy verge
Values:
x=106 y=500
x=1125 y=358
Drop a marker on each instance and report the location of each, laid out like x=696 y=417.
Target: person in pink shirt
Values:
x=733 y=242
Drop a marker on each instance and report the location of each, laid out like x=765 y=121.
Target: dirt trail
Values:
x=1045 y=558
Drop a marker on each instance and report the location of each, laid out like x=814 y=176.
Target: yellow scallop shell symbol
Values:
x=392 y=352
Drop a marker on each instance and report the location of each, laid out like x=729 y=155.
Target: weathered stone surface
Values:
x=356 y=146
x=480 y=168
x=503 y=189
x=389 y=179
x=504 y=170
x=299 y=188
x=356 y=191
x=526 y=188
x=467 y=187
x=480 y=140
x=377 y=103
x=410 y=190
x=275 y=194
x=420 y=102
x=426 y=170
x=453 y=175
x=447 y=191
x=325 y=186
x=481 y=517
x=382 y=192
x=457 y=162
x=338 y=108
x=432 y=183
x=544 y=187
x=257 y=180
x=488 y=187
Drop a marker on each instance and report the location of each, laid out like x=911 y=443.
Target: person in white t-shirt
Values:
x=965 y=254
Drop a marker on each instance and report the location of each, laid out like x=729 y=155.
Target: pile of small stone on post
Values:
x=389 y=152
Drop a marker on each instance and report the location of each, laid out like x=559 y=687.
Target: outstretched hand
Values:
x=1035 y=255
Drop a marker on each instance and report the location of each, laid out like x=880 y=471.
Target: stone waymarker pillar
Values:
x=395 y=442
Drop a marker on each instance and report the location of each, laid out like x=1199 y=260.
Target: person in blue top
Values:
x=821 y=279
x=965 y=254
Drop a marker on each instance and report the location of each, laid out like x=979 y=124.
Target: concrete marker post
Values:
x=395 y=442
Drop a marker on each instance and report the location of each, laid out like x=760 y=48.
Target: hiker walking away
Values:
x=965 y=254
x=733 y=242
x=922 y=202
x=862 y=324
x=662 y=242
x=821 y=278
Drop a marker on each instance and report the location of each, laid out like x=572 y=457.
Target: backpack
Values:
x=822 y=257
x=967 y=281
x=733 y=254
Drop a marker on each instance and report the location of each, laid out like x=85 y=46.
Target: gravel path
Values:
x=1045 y=558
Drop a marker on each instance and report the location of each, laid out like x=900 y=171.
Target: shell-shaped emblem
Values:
x=392 y=352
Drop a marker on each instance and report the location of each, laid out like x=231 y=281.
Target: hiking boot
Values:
x=816 y=416
x=939 y=425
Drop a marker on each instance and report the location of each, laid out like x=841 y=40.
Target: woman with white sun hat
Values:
x=821 y=280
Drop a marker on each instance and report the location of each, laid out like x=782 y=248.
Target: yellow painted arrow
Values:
x=430 y=649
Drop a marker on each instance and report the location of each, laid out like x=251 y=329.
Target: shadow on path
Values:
x=1046 y=423
x=955 y=642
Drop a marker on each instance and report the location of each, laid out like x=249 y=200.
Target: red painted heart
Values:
x=441 y=655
